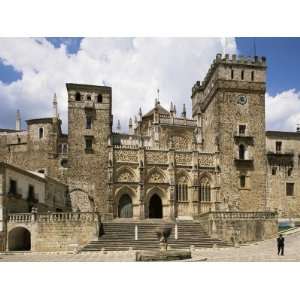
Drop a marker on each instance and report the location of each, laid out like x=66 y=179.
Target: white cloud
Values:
x=134 y=67
x=283 y=110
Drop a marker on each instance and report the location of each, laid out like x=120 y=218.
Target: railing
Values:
x=20 y=218
x=53 y=217
x=239 y=215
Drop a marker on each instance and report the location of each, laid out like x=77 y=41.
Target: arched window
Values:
x=99 y=98
x=77 y=96
x=204 y=190
x=242 y=74
x=252 y=76
x=232 y=74
x=88 y=97
x=182 y=189
x=242 y=151
x=181 y=192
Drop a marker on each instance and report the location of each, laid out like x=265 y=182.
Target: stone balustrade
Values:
x=53 y=217
x=239 y=215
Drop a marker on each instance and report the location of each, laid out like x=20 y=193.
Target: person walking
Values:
x=280 y=244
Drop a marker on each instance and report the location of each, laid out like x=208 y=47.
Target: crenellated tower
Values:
x=230 y=104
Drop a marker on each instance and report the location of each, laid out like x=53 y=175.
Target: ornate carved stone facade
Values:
x=167 y=165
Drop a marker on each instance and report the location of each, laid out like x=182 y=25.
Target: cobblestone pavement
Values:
x=261 y=251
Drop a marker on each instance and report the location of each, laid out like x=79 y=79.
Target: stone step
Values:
x=120 y=236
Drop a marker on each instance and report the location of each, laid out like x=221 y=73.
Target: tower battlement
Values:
x=230 y=62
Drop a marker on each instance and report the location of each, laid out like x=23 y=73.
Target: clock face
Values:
x=242 y=99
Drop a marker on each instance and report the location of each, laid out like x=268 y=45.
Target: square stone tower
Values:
x=230 y=103
x=89 y=126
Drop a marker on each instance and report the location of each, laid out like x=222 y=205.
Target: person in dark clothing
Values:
x=280 y=244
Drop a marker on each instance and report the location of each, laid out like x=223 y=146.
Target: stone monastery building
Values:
x=167 y=166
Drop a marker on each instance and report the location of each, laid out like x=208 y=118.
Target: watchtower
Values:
x=231 y=105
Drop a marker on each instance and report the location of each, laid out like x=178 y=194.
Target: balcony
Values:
x=281 y=159
x=88 y=104
x=243 y=163
x=244 y=138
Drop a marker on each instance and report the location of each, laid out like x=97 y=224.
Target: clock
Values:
x=242 y=100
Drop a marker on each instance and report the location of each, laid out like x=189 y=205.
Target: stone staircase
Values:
x=120 y=236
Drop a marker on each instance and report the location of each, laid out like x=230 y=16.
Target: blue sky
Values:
x=283 y=57
x=32 y=70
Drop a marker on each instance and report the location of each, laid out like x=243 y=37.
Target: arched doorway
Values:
x=19 y=239
x=125 y=207
x=155 y=207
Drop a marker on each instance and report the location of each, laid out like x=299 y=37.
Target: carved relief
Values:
x=125 y=177
x=206 y=160
x=156 y=177
x=126 y=155
x=183 y=158
x=157 y=157
x=180 y=142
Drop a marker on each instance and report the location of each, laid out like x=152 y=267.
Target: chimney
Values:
x=55 y=110
x=18 y=121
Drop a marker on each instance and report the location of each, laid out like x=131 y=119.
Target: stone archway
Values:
x=125 y=209
x=19 y=239
x=155 y=207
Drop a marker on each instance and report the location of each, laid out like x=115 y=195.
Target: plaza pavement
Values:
x=264 y=251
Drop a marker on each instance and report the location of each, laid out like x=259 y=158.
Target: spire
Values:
x=135 y=121
x=174 y=110
x=183 y=114
x=158 y=96
x=156 y=102
x=18 y=120
x=119 y=126
x=171 y=107
x=130 y=126
x=140 y=114
x=55 y=110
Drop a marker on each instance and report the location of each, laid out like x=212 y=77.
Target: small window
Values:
x=19 y=140
x=41 y=171
x=88 y=97
x=242 y=129
x=77 y=96
x=289 y=172
x=88 y=143
x=12 y=187
x=242 y=74
x=41 y=133
x=88 y=124
x=31 y=193
x=274 y=170
x=65 y=148
x=289 y=189
x=99 y=98
x=242 y=181
x=278 y=146
x=241 y=151
x=252 y=76
x=232 y=74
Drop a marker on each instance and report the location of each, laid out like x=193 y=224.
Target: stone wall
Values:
x=239 y=227
x=56 y=231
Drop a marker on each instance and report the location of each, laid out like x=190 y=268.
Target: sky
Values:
x=33 y=69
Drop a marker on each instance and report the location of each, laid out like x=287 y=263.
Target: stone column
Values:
x=141 y=178
x=171 y=170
